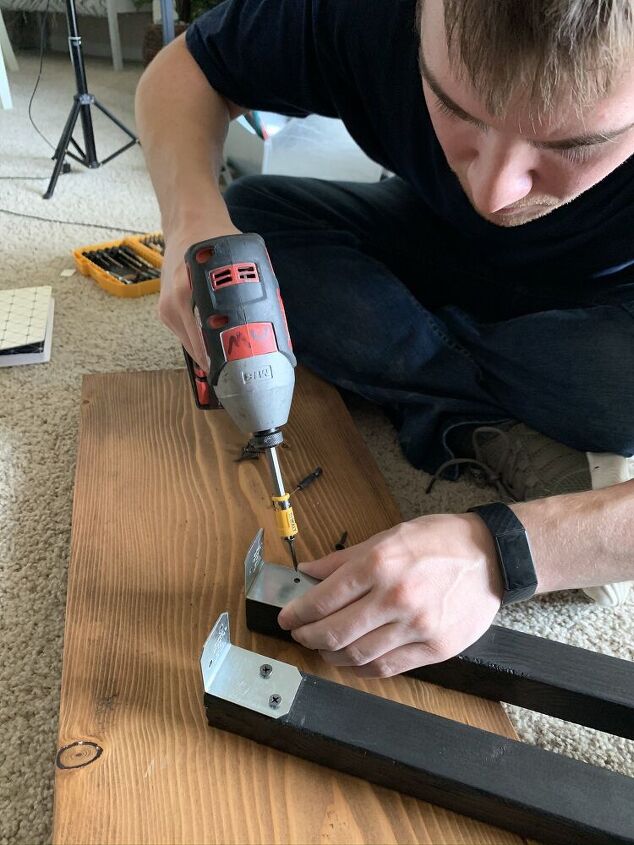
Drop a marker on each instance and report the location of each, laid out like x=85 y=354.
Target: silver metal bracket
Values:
x=271 y=583
x=244 y=677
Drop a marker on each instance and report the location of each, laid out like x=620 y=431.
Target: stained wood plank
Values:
x=560 y=680
x=162 y=519
x=525 y=789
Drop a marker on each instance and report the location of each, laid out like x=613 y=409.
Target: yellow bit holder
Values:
x=285 y=518
x=110 y=283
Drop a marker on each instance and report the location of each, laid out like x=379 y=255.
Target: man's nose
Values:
x=500 y=174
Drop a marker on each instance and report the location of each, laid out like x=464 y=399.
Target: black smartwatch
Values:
x=513 y=551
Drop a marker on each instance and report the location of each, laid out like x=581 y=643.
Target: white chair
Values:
x=98 y=8
x=7 y=60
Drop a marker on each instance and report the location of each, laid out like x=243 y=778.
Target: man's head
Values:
x=531 y=100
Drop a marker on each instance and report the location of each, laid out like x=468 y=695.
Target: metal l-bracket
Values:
x=500 y=781
x=503 y=665
x=269 y=586
x=245 y=678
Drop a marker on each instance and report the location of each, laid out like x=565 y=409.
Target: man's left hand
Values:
x=418 y=593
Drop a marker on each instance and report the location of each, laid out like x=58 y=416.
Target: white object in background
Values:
x=5 y=47
x=114 y=8
x=243 y=148
x=26 y=326
x=321 y=147
x=6 y=54
x=311 y=146
x=156 y=12
x=100 y=8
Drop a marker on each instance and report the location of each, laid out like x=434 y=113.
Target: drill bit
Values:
x=342 y=542
x=291 y=545
x=306 y=482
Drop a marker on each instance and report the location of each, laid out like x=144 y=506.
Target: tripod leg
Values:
x=114 y=119
x=60 y=152
x=89 y=135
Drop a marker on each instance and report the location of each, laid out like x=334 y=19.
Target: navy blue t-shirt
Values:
x=358 y=60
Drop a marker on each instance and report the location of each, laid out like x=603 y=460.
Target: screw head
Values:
x=265 y=670
x=274 y=700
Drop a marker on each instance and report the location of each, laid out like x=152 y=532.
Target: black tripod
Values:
x=82 y=101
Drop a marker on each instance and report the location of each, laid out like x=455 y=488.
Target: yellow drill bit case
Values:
x=109 y=282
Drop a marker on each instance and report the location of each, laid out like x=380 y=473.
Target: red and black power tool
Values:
x=250 y=366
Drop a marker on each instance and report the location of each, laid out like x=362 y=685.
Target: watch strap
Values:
x=513 y=550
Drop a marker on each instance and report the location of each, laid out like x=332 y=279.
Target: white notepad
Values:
x=26 y=326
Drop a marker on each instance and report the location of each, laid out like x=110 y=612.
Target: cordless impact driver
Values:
x=250 y=363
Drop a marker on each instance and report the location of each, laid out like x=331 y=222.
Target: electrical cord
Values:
x=72 y=222
x=35 y=87
x=39 y=73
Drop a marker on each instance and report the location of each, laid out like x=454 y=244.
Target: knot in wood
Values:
x=78 y=754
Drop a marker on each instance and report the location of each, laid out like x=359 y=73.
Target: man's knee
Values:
x=609 y=431
x=568 y=374
x=271 y=202
x=246 y=189
x=249 y=199
x=599 y=392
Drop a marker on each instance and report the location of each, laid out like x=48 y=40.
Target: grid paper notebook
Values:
x=26 y=317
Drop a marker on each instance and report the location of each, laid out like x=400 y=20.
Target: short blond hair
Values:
x=540 y=51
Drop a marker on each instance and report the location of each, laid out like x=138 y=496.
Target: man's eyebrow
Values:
x=564 y=144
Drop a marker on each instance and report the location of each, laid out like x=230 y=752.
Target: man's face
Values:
x=514 y=171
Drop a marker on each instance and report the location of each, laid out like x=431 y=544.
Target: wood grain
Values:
x=162 y=519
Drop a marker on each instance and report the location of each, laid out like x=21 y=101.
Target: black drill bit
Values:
x=291 y=545
x=340 y=546
x=305 y=482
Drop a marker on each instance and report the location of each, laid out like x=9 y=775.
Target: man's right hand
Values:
x=175 y=300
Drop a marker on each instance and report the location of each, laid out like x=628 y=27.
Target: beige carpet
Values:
x=95 y=332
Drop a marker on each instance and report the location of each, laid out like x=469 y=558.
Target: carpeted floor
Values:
x=95 y=332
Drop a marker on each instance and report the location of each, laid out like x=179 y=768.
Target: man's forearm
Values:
x=581 y=539
x=182 y=124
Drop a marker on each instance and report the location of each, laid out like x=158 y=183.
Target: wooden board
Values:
x=162 y=520
x=561 y=680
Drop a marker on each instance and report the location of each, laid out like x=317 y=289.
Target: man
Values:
x=484 y=295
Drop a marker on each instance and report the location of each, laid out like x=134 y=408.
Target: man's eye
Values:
x=443 y=108
x=577 y=154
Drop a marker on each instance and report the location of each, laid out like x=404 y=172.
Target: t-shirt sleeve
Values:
x=262 y=54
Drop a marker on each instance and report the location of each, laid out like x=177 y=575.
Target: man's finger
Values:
x=344 y=586
x=325 y=566
x=344 y=627
x=399 y=660
x=196 y=345
x=367 y=648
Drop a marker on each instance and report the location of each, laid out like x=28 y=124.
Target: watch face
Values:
x=514 y=552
